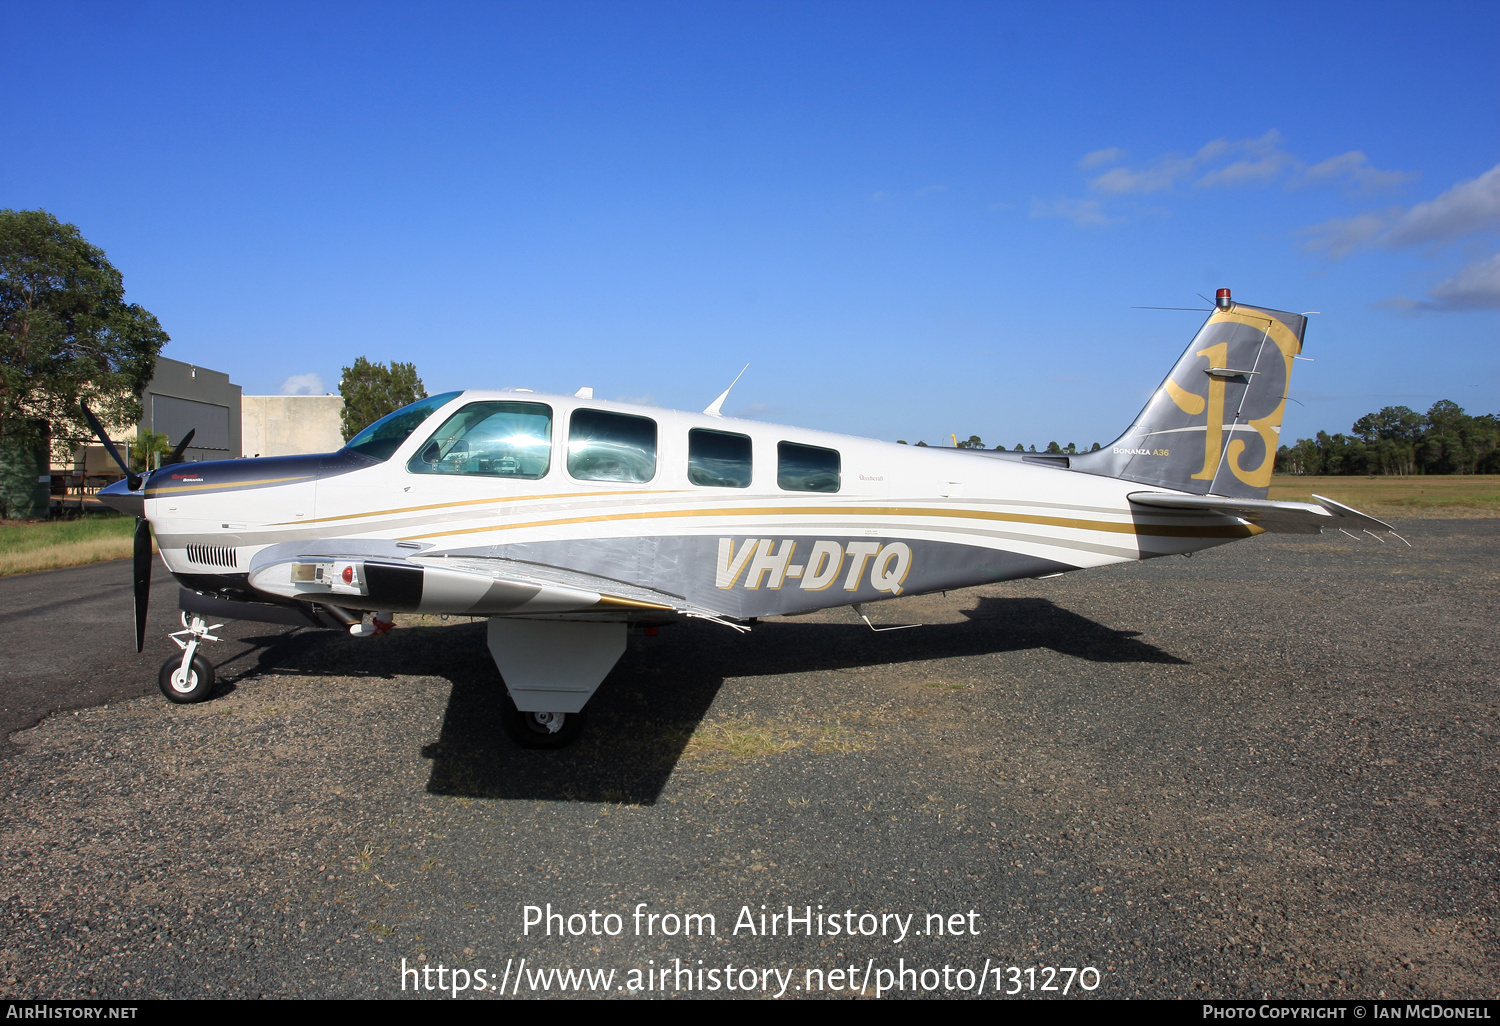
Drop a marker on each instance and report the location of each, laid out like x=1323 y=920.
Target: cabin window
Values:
x=492 y=439
x=806 y=468
x=381 y=439
x=611 y=447
x=718 y=459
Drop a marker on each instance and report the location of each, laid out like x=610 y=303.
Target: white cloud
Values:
x=1123 y=181
x=302 y=384
x=1248 y=172
x=1112 y=155
x=1468 y=207
x=1245 y=172
x=1476 y=287
x=1261 y=160
x=1339 y=237
x=1084 y=213
x=1354 y=168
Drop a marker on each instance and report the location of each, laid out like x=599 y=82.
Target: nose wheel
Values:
x=189 y=677
x=190 y=684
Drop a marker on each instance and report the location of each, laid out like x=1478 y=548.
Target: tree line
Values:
x=1398 y=440
x=975 y=442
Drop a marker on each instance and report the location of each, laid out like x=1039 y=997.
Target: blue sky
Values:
x=909 y=219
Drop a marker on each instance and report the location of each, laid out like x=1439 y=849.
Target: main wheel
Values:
x=193 y=686
x=541 y=730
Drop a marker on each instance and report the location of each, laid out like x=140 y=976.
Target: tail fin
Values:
x=1214 y=424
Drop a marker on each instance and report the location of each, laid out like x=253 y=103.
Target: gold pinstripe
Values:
x=1149 y=530
x=611 y=600
x=224 y=486
x=474 y=502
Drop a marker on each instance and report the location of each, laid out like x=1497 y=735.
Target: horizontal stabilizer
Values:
x=1271 y=515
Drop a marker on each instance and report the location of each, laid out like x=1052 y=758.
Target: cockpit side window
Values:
x=381 y=439
x=490 y=439
x=718 y=459
x=606 y=446
x=806 y=468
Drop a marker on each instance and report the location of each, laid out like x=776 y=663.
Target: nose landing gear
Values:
x=190 y=677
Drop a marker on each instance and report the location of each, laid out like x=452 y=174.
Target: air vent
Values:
x=212 y=555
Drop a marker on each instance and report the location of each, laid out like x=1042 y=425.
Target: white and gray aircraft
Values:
x=565 y=520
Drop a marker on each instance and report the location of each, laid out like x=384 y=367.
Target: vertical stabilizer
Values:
x=1214 y=424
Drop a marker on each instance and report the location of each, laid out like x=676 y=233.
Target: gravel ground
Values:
x=1267 y=770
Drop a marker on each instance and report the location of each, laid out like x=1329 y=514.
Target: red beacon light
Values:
x=1223 y=301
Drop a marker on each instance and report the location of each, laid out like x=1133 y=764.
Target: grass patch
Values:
x=50 y=544
x=739 y=740
x=742 y=739
x=1436 y=495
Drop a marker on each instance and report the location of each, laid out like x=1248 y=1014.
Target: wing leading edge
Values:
x=361 y=574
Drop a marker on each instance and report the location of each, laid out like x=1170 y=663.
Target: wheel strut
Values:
x=191 y=678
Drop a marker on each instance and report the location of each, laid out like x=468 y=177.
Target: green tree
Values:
x=972 y=442
x=66 y=333
x=371 y=390
x=1398 y=440
x=147 y=446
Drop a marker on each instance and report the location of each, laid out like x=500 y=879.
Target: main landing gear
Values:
x=189 y=677
x=550 y=669
x=540 y=729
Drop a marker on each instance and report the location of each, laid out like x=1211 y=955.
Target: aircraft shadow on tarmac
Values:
x=641 y=718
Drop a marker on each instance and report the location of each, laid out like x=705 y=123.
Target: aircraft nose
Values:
x=119 y=496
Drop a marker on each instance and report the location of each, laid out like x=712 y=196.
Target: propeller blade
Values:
x=131 y=477
x=176 y=456
x=142 y=579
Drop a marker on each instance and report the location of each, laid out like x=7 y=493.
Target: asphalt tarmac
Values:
x=1267 y=770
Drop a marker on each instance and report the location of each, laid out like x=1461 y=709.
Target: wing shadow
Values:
x=659 y=692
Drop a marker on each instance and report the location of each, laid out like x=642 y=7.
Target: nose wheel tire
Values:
x=541 y=729
x=193 y=686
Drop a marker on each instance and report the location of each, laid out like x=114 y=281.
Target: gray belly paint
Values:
x=689 y=567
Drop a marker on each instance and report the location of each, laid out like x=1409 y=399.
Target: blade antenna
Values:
x=716 y=408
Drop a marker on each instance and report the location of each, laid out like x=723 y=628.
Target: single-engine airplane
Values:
x=565 y=520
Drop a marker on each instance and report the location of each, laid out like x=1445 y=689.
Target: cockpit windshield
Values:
x=382 y=438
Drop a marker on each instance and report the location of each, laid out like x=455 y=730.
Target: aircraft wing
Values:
x=1271 y=515
x=400 y=577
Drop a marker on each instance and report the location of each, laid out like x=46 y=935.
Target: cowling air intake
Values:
x=1214 y=425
